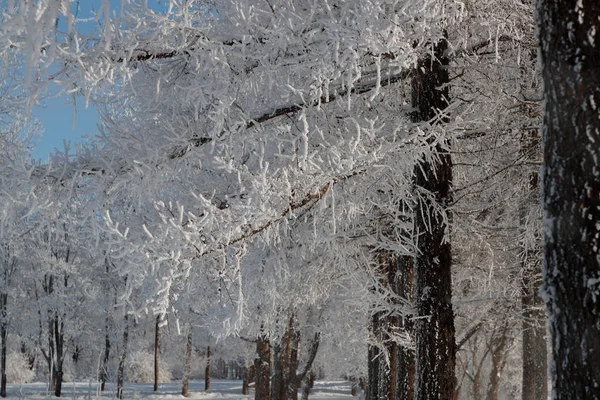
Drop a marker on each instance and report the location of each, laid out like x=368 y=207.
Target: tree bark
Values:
x=262 y=369
x=434 y=326
x=156 y=353
x=188 y=365
x=3 y=338
x=570 y=57
x=498 y=345
x=406 y=357
x=106 y=358
x=207 y=370
x=121 y=372
x=59 y=338
x=535 y=364
x=248 y=377
x=374 y=360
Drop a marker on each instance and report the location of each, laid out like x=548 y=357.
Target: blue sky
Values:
x=56 y=114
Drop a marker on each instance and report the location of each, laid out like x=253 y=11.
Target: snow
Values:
x=220 y=389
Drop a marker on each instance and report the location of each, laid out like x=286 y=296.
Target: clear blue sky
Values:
x=56 y=114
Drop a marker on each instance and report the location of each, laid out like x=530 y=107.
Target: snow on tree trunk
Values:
x=434 y=325
x=570 y=57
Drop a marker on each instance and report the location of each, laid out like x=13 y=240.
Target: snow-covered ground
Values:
x=220 y=389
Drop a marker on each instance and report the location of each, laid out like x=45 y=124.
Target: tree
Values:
x=570 y=59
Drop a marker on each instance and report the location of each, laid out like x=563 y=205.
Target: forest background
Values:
x=305 y=188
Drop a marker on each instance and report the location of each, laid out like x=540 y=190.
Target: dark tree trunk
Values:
x=188 y=365
x=276 y=372
x=207 y=371
x=293 y=382
x=434 y=325
x=59 y=338
x=570 y=57
x=156 y=353
x=373 y=365
x=106 y=358
x=3 y=338
x=406 y=357
x=121 y=372
x=262 y=369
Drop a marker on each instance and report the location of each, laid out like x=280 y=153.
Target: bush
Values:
x=17 y=369
x=140 y=368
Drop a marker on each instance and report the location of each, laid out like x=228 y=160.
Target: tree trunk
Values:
x=293 y=382
x=308 y=384
x=373 y=367
x=498 y=356
x=282 y=364
x=121 y=372
x=570 y=57
x=434 y=326
x=59 y=339
x=3 y=338
x=535 y=364
x=406 y=358
x=156 y=353
x=248 y=377
x=106 y=358
x=188 y=364
x=262 y=369
x=246 y=381
x=207 y=371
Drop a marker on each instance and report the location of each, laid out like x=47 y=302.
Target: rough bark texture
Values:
x=406 y=356
x=570 y=56
x=262 y=369
x=207 y=371
x=185 y=389
x=434 y=326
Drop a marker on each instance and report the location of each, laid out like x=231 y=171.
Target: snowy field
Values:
x=220 y=389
